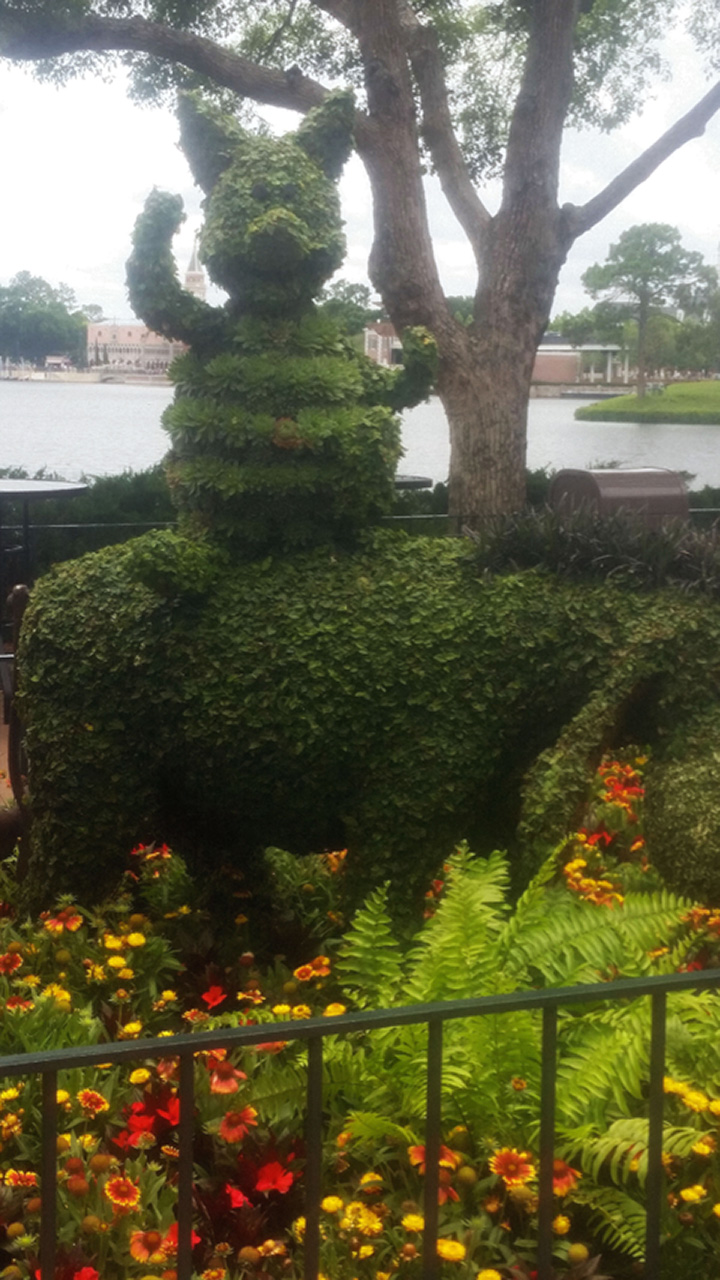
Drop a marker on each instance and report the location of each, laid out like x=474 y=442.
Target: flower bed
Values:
x=149 y=963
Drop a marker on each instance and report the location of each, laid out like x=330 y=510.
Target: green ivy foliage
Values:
x=386 y=699
x=283 y=435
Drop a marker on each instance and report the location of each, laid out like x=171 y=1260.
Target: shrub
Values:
x=387 y=700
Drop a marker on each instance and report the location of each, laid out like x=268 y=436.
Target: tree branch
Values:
x=439 y=135
x=289 y=89
x=579 y=218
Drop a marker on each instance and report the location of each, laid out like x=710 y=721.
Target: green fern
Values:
x=616 y=1217
x=370 y=964
x=456 y=953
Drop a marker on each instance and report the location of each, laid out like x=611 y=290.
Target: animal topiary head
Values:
x=273 y=231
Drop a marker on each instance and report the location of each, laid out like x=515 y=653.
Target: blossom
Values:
x=514 y=1167
x=136 y=939
x=20 y=1178
x=332 y=1204
x=140 y=1075
x=147 y=1246
x=170 y=1243
x=9 y=962
x=488 y=1273
x=691 y=1195
x=451 y=1250
x=272 y=1177
x=360 y=1218
x=92 y=1102
x=122 y=1192
x=320 y=966
x=564 y=1178
x=561 y=1224
x=237 y=1198
x=413 y=1222
x=304 y=973
x=224 y=1077
x=334 y=1010
x=234 y=1124
x=86 y=1273
x=214 y=996
x=301 y=1011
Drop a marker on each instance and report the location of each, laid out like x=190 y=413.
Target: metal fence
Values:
x=184 y=1047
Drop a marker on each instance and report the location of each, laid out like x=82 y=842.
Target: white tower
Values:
x=195 y=281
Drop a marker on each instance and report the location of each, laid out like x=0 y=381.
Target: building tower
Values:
x=195 y=281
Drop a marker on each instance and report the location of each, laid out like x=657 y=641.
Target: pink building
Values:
x=130 y=346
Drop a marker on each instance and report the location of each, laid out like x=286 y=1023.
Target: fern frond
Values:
x=574 y=936
x=370 y=963
x=370 y=1129
x=456 y=953
x=616 y=1217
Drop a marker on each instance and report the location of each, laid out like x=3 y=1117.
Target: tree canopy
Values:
x=649 y=269
x=466 y=90
x=38 y=320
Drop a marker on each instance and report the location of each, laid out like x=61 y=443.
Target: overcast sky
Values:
x=79 y=162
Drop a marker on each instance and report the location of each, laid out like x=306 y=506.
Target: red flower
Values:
x=237 y=1199
x=9 y=962
x=214 y=996
x=170 y=1243
x=86 y=1273
x=272 y=1177
x=171 y=1112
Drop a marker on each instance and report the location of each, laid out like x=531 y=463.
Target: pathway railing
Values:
x=184 y=1047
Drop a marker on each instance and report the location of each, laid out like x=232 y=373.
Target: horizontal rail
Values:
x=186 y=1046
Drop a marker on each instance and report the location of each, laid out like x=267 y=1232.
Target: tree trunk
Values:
x=643 y=317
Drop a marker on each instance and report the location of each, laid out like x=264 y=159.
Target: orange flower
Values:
x=224 y=1077
x=320 y=966
x=564 y=1178
x=123 y=1192
x=92 y=1102
x=234 y=1124
x=514 y=1167
x=304 y=973
x=147 y=1246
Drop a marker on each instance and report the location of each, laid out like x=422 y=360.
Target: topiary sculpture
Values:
x=282 y=434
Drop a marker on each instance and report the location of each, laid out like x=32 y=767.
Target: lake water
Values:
x=95 y=429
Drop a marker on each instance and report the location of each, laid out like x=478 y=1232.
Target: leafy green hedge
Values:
x=387 y=699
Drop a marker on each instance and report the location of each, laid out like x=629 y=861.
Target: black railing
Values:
x=185 y=1046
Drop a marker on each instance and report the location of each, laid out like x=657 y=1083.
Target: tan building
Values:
x=556 y=361
x=131 y=345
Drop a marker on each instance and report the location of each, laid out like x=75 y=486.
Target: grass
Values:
x=679 y=402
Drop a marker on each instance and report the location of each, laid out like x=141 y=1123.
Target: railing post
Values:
x=547 y=1142
x=433 y=1122
x=186 y=1128
x=313 y=1158
x=654 y=1182
x=48 y=1179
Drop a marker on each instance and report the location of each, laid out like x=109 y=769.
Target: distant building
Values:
x=131 y=345
x=555 y=361
x=382 y=343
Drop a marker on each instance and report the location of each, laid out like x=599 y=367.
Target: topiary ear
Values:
x=209 y=137
x=326 y=132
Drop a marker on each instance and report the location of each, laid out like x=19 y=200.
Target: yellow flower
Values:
x=366 y=1251
x=561 y=1225
x=413 y=1222
x=168 y=995
x=111 y=942
x=334 y=1010
x=705 y=1146
x=451 y=1250
x=9 y=1095
x=695 y=1100
x=96 y=973
x=715 y=1107
x=59 y=994
x=87 y=1141
x=136 y=939
x=691 y=1195
x=301 y=1011
x=32 y=980
x=116 y=962
x=139 y=1076
x=298 y=1228
x=131 y=1030
x=281 y=1010
x=332 y=1204
x=126 y=974
x=716 y=1210
x=674 y=1086
x=488 y=1273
